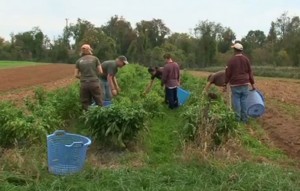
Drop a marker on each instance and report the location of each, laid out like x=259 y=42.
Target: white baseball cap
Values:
x=237 y=46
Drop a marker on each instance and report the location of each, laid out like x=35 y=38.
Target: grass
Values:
x=162 y=169
x=163 y=140
x=252 y=137
x=243 y=176
x=14 y=64
x=265 y=71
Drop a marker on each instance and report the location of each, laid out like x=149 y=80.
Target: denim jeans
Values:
x=239 y=96
x=107 y=96
x=172 y=97
x=166 y=98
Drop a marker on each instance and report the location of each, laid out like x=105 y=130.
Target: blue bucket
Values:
x=66 y=152
x=106 y=103
x=255 y=104
x=182 y=95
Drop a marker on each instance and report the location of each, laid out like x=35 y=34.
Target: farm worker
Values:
x=155 y=72
x=218 y=79
x=170 y=79
x=108 y=79
x=87 y=70
x=239 y=75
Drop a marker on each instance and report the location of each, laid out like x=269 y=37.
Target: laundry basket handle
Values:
x=76 y=144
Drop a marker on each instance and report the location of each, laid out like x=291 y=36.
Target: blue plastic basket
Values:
x=66 y=152
x=255 y=104
x=182 y=95
x=106 y=103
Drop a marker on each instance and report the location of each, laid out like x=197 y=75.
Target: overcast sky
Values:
x=179 y=15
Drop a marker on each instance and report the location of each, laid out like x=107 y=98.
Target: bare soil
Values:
x=18 y=83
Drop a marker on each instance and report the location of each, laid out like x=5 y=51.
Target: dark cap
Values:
x=123 y=59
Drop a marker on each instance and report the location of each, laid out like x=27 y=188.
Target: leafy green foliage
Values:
x=129 y=112
x=118 y=123
x=63 y=103
x=208 y=122
x=45 y=113
x=16 y=127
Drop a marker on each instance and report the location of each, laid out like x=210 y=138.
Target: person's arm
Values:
x=178 y=77
x=110 y=79
x=149 y=87
x=99 y=67
x=164 y=77
x=116 y=84
x=251 y=78
x=207 y=87
x=76 y=71
x=100 y=70
x=227 y=75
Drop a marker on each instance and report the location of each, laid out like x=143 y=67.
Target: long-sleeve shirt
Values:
x=238 y=71
x=171 y=75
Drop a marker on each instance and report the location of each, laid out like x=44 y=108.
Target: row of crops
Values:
x=120 y=123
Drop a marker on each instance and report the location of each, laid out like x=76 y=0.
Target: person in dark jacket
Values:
x=239 y=75
x=171 y=79
x=156 y=73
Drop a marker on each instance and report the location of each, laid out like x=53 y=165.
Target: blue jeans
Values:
x=239 y=96
x=107 y=96
x=172 y=98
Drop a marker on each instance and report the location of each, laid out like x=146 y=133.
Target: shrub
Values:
x=209 y=123
x=63 y=103
x=152 y=104
x=45 y=113
x=116 y=124
x=16 y=127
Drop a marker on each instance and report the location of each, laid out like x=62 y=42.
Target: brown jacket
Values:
x=238 y=71
x=217 y=78
x=171 y=75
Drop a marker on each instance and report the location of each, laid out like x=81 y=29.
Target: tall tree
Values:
x=104 y=46
x=121 y=31
x=78 y=30
x=187 y=44
x=227 y=37
x=207 y=33
x=150 y=34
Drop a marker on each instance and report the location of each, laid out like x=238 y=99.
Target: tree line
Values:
x=207 y=45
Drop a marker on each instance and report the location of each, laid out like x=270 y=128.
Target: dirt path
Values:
x=281 y=120
x=18 y=83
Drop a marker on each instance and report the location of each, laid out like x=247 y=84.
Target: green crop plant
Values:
x=117 y=124
x=209 y=123
x=19 y=128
